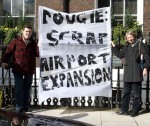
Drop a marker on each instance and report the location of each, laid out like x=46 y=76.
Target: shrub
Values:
x=119 y=30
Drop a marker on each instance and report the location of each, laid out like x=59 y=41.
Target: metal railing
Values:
x=114 y=101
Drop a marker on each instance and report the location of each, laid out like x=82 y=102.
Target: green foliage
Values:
x=8 y=32
x=130 y=25
x=119 y=32
x=114 y=23
x=2 y=33
x=21 y=21
x=8 y=21
x=129 y=22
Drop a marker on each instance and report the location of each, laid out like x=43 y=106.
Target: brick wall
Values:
x=81 y=5
x=53 y=4
x=75 y=6
x=146 y=18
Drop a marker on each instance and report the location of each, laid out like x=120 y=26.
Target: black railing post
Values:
x=3 y=78
x=64 y=101
x=66 y=6
x=10 y=99
x=118 y=101
x=35 y=99
x=147 y=93
x=147 y=103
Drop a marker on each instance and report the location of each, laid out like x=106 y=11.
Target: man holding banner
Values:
x=24 y=50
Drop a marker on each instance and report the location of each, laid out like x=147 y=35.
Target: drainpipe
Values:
x=124 y=11
x=64 y=101
x=66 y=6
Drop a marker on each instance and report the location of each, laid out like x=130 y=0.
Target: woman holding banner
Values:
x=134 y=51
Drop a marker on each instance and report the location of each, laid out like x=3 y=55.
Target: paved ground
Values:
x=97 y=116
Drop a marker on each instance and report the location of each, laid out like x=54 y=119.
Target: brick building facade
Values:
x=146 y=18
x=83 y=5
x=139 y=8
x=74 y=5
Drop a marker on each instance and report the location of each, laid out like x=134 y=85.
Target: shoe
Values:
x=134 y=113
x=122 y=112
x=27 y=110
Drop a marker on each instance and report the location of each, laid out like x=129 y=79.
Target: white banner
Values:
x=75 y=53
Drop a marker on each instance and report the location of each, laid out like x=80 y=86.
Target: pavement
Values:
x=96 y=116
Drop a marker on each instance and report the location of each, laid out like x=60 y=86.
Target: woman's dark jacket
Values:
x=24 y=56
x=132 y=67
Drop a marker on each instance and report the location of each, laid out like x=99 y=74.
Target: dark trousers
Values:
x=135 y=89
x=22 y=90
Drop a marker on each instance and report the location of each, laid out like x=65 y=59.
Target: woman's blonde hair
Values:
x=130 y=33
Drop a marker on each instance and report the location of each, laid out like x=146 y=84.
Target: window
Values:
x=132 y=5
x=5 y=7
x=119 y=8
x=15 y=8
x=103 y=3
x=29 y=7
